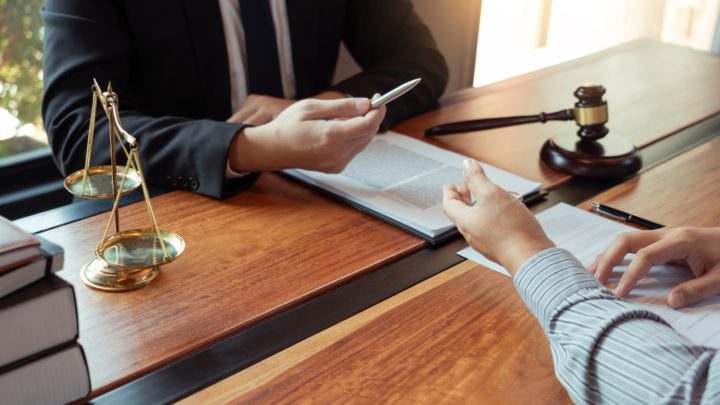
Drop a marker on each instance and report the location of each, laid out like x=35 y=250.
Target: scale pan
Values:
x=98 y=182
x=140 y=248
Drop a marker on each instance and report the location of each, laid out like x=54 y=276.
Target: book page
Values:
x=402 y=177
x=414 y=179
x=586 y=235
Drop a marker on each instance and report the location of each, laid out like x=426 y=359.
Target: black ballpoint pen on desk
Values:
x=627 y=217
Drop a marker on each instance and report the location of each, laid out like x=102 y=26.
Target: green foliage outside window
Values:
x=21 y=87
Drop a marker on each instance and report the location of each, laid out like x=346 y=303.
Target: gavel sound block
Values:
x=591 y=152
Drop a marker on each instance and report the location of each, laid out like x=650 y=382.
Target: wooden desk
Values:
x=654 y=90
x=684 y=191
x=247 y=257
x=273 y=249
x=463 y=336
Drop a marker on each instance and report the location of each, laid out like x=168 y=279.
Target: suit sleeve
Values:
x=88 y=39
x=392 y=45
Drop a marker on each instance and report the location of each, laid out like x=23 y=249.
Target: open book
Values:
x=399 y=180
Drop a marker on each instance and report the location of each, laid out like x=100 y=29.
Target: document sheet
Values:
x=401 y=178
x=585 y=235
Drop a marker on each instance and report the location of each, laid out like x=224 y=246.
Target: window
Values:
x=29 y=180
x=21 y=35
x=519 y=36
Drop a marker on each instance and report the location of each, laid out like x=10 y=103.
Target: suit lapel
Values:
x=211 y=58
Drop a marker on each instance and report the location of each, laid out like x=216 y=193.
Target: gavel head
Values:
x=591 y=111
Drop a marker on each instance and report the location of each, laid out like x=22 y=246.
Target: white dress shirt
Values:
x=235 y=42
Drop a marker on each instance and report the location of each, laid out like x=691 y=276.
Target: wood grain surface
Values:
x=653 y=90
x=247 y=257
x=463 y=336
x=682 y=191
x=460 y=337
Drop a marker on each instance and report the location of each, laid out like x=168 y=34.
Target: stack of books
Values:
x=40 y=359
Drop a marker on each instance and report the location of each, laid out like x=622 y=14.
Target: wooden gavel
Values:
x=594 y=152
x=590 y=114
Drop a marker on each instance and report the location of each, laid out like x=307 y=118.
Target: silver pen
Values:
x=394 y=93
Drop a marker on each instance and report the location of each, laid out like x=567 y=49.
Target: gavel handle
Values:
x=490 y=123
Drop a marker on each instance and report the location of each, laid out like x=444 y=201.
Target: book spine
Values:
x=54 y=254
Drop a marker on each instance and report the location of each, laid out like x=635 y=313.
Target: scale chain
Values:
x=91 y=135
x=150 y=210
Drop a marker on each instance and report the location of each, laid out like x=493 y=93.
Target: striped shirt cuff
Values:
x=549 y=278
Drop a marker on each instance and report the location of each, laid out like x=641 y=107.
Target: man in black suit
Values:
x=209 y=87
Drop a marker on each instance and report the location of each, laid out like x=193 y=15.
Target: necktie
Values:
x=261 y=48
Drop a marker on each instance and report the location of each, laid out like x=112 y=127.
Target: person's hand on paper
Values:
x=322 y=135
x=698 y=248
x=498 y=225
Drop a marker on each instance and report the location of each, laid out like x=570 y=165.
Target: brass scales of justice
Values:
x=132 y=258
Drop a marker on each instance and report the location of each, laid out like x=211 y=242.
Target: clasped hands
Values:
x=322 y=134
x=503 y=229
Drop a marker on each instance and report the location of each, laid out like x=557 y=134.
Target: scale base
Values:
x=98 y=274
x=610 y=157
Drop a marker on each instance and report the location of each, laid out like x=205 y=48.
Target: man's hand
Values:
x=259 y=110
x=698 y=248
x=498 y=225
x=322 y=135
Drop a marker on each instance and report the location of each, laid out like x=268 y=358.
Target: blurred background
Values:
x=21 y=33
x=519 y=36
x=484 y=42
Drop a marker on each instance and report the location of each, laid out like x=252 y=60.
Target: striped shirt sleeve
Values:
x=609 y=350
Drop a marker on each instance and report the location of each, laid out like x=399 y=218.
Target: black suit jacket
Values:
x=167 y=61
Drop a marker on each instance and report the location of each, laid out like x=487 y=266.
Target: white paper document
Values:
x=401 y=178
x=585 y=235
